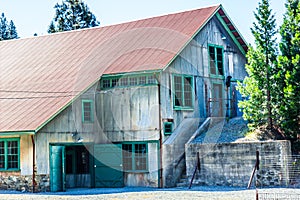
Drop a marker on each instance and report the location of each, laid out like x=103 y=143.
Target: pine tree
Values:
x=72 y=15
x=258 y=87
x=12 y=31
x=7 y=30
x=3 y=27
x=288 y=78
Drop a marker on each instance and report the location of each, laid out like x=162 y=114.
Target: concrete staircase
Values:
x=183 y=181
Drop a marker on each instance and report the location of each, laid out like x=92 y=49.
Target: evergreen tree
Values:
x=288 y=78
x=72 y=15
x=7 y=30
x=12 y=31
x=259 y=87
x=3 y=27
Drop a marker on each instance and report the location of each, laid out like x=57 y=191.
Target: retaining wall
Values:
x=231 y=164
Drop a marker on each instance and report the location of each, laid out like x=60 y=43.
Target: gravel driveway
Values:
x=154 y=194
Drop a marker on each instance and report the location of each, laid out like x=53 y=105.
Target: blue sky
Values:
x=34 y=16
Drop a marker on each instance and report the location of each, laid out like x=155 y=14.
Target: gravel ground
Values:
x=223 y=131
x=153 y=194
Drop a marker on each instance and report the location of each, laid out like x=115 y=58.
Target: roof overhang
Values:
x=14 y=133
x=231 y=29
x=132 y=73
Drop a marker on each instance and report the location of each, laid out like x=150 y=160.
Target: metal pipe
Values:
x=160 y=138
x=33 y=164
x=160 y=133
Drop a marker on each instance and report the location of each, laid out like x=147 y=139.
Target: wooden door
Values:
x=108 y=165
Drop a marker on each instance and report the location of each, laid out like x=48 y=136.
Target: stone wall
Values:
x=231 y=164
x=24 y=183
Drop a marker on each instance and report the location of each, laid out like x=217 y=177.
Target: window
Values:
x=133 y=81
x=183 y=92
x=114 y=82
x=168 y=128
x=87 y=111
x=135 y=157
x=106 y=83
x=10 y=154
x=127 y=81
x=216 y=60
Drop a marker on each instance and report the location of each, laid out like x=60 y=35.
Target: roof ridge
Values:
x=117 y=24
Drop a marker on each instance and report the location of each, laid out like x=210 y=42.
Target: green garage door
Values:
x=108 y=165
x=57 y=168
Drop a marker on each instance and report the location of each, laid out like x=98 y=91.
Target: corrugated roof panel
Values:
x=40 y=75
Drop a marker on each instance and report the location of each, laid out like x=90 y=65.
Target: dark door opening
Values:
x=78 y=167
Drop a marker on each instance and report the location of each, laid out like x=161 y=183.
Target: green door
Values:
x=57 y=168
x=108 y=165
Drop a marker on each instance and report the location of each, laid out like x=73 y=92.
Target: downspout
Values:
x=158 y=79
x=33 y=164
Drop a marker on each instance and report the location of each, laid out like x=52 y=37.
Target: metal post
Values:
x=197 y=167
x=33 y=164
x=256 y=167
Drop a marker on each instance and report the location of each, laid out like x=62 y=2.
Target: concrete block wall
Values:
x=231 y=164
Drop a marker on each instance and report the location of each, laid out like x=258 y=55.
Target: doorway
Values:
x=77 y=167
x=70 y=167
x=217 y=104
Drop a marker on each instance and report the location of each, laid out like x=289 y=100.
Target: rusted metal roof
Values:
x=39 y=76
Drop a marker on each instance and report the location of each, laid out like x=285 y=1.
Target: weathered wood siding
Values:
x=194 y=61
x=60 y=129
x=129 y=114
x=121 y=114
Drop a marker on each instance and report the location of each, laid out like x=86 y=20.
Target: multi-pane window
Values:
x=216 y=60
x=135 y=157
x=151 y=79
x=106 y=83
x=127 y=81
x=133 y=81
x=9 y=154
x=183 y=91
x=114 y=82
x=87 y=111
x=143 y=80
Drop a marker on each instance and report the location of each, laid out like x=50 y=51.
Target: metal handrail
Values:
x=256 y=167
x=197 y=167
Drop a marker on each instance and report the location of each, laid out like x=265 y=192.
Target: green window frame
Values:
x=183 y=87
x=216 y=56
x=10 y=154
x=87 y=111
x=127 y=81
x=135 y=157
x=168 y=128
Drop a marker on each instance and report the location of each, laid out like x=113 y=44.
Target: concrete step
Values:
x=183 y=176
x=181 y=184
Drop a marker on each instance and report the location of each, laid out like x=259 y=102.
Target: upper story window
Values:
x=216 y=60
x=87 y=111
x=183 y=92
x=127 y=81
x=10 y=154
